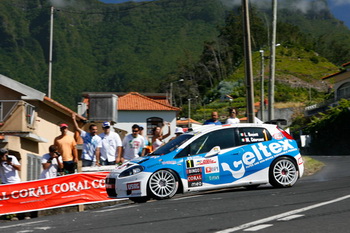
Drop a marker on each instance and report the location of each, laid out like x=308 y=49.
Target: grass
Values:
x=311 y=166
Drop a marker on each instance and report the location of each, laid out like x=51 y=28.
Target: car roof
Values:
x=208 y=128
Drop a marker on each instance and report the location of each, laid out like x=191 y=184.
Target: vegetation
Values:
x=331 y=128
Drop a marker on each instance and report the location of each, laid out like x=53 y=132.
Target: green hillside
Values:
x=143 y=46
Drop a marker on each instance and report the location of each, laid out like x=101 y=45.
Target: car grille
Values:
x=110 y=187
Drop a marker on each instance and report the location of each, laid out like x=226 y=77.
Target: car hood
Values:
x=134 y=162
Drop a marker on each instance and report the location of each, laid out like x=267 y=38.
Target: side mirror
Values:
x=214 y=151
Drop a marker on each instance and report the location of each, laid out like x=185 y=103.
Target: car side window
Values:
x=250 y=135
x=224 y=138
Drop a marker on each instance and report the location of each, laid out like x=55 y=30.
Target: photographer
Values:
x=51 y=162
x=9 y=167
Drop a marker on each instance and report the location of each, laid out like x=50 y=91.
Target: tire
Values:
x=163 y=184
x=283 y=173
x=139 y=199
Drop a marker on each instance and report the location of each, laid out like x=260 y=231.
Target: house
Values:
x=188 y=123
x=148 y=110
x=341 y=89
x=29 y=123
x=341 y=82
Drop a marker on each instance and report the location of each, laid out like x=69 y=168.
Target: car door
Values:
x=202 y=158
x=243 y=163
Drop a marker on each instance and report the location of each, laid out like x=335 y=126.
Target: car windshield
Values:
x=172 y=145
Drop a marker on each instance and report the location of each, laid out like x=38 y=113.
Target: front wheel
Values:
x=283 y=173
x=163 y=184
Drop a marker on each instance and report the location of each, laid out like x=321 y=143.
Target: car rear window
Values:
x=253 y=135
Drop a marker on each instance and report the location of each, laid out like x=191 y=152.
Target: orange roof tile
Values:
x=134 y=101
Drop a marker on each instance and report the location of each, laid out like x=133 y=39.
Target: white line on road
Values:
x=112 y=209
x=272 y=218
x=291 y=217
x=182 y=198
x=259 y=227
x=23 y=224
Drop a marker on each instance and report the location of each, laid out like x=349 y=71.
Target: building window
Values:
x=153 y=122
x=30 y=111
x=33 y=167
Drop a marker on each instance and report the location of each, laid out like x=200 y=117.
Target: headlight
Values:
x=132 y=171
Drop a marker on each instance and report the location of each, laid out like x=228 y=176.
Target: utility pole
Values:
x=50 y=53
x=262 y=106
x=271 y=104
x=189 y=113
x=248 y=62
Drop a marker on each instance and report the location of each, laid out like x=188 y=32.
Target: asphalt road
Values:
x=318 y=203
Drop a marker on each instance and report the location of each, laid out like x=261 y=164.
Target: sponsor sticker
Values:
x=133 y=186
x=189 y=163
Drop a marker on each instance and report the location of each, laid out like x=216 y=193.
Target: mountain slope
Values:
x=129 y=46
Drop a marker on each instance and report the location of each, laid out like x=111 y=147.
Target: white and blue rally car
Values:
x=211 y=157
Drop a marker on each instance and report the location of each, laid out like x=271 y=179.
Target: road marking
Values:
x=112 y=209
x=283 y=215
x=182 y=198
x=258 y=227
x=23 y=224
x=291 y=217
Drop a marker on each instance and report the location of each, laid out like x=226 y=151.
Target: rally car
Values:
x=211 y=157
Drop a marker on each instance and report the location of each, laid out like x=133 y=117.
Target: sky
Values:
x=341 y=8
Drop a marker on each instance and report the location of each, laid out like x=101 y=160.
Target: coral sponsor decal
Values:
x=194 y=177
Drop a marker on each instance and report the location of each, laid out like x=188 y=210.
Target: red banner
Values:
x=62 y=191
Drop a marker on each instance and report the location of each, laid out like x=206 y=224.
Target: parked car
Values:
x=212 y=157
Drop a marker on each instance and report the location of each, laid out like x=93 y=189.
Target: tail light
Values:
x=287 y=135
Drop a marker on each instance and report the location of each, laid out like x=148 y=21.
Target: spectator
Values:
x=233 y=117
x=148 y=147
x=178 y=132
x=158 y=137
x=111 y=146
x=66 y=147
x=52 y=162
x=214 y=120
x=9 y=168
x=91 y=146
x=131 y=145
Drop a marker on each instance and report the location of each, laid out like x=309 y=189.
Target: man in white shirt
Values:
x=111 y=146
x=233 y=117
x=9 y=168
x=131 y=145
x=51 y=162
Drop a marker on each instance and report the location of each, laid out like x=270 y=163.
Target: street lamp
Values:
x=171 y=90
x=50 y=53
x=262 y=107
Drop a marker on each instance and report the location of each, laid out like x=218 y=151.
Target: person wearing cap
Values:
x=9 y=168
x=233 y=117
x=178 y=131
x=111 y=146
x=131 y=145
x=66 y=147
x=51 y=163
x=91 y=146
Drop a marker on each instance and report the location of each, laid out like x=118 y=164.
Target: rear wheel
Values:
x=283 y=173
x=163 y=184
